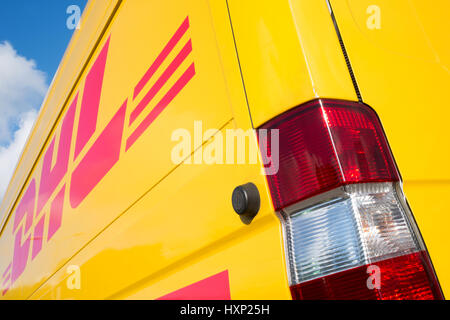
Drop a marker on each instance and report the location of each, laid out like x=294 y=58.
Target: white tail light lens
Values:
x=363 y=225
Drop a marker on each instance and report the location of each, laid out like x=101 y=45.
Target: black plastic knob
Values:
x=246 y=200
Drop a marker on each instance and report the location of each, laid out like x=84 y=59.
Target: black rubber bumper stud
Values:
x=246 y=201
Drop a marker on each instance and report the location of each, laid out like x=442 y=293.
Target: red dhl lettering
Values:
x=30 y=215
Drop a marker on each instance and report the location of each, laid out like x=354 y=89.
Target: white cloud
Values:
x=10 y=155
x=22 y=88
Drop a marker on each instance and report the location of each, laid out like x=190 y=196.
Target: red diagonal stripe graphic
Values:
x=216 y=287
x=169 y=96
x=161 y=81
x=162 y=56
x=6 y=279
x=7 y=270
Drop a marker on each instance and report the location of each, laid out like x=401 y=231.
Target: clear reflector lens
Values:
x=364 y=224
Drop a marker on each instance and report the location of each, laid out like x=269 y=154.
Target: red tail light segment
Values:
x=349 y=233
x=402 y=278
x=325 y=144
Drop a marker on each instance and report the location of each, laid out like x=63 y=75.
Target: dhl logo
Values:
x=31 y=218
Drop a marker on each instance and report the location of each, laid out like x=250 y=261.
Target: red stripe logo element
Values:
x=102 y=156
x=91 y=100
x=170 y=95
x=162 y=56
x=160 y=82
x=216 y=287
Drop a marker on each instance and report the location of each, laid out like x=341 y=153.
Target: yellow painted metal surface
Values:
x=178 y=233
x=402 y=70
x=151 y=226
x=289 y=54
x=172 y=204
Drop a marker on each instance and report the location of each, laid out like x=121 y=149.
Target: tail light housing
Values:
x=349 y=233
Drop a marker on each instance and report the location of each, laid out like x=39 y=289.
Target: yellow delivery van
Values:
x=231 y=149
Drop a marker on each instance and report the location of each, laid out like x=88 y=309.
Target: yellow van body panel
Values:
x=216 y=97
x=151 y=226
x=284 y=63
x=161 y=244
x=402 y=70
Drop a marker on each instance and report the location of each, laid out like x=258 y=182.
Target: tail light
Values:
x=349 y=233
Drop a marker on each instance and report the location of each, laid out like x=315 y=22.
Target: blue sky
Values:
x=33 y=38
x=37 y=30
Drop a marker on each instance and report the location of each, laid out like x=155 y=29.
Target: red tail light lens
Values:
x=349 y=233
x=325 y=144
x=402 y=278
